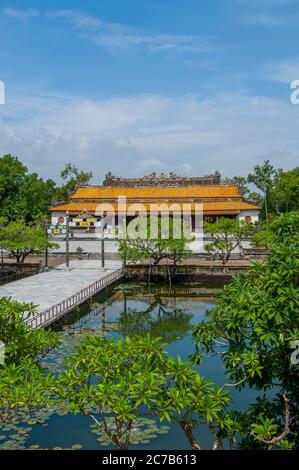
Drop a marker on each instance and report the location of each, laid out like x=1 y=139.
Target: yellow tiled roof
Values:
x=208 y=207
x=157 y=192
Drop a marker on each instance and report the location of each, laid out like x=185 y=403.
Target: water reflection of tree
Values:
x=157 y=320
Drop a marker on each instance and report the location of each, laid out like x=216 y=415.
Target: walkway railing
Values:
x=53 y=313
x=13 y=277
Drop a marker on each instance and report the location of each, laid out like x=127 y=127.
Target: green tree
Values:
x=24 y=387
x=226 y=235
x=287 y=226
x=129 y=378
x=177 y=249
x=22 y=240
x=264 y=177
x=263 y=238
x=116 y=379
x=256 y=321
x=12 y=175
x=21 y=341
x=191 y=401
x=284 y=196
x=23 y=195
x=74 y=179
x=34 y=198
x=158 y=239
x=242 y=183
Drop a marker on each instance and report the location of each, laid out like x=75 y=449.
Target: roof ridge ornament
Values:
x=163 y=179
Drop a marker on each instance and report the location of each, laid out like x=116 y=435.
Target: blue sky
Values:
x=134 y=86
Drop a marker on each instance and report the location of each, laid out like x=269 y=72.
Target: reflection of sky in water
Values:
x=168 y=316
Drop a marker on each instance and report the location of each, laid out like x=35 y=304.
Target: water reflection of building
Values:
x=217 y=199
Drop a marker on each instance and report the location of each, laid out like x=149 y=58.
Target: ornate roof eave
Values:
x=253 y=203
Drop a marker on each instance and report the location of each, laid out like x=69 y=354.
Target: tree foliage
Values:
x=264 y=177
x=27 y=196
x=284 y=196
x=226 y=235
x=22 y=194
x=21 y=341
x=157 y=240
x=22 y=240
x=128 y=378
x=24 y=384
x=108 y=378
x=74 y=178
x=34 y=198
x=280 y=227
x=256 y=320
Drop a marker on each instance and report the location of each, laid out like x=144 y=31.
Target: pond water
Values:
x=125 y=310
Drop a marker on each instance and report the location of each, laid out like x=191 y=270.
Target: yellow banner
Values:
x=85 y=221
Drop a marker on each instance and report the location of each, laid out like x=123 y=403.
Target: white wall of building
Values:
x=254 y=214
x=94 y=246
x=111 y=246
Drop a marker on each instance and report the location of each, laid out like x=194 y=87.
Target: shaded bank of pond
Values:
x=205 y=271
x=127 y=309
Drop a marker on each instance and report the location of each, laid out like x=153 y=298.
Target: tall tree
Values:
x=24 y=385
x=120 y=379
x=240 y=181
x=158 y=239
x=23 y=195
x=256 y=322
x=12 y=175
x=34 y=198
x=264 y=177
x=22 y=240
x=74 y=178
x=117 y=382
x=284 y=196
x=21 y=341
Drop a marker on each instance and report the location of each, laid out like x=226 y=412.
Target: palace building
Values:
x=165 y=193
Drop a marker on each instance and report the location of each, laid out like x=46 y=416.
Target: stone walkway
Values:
x=51 y=287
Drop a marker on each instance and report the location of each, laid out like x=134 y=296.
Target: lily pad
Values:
x=76 y=446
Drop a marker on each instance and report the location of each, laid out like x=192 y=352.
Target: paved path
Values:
x=49 y=288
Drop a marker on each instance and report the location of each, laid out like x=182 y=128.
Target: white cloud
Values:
x=156 y=43
x=268 y=13
x=265 y=20
x=284 y=71
x=21 y=14
x=151 y=164
x=186 y=168
x=77 y=19
x=136 y=134
x=115 y=36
